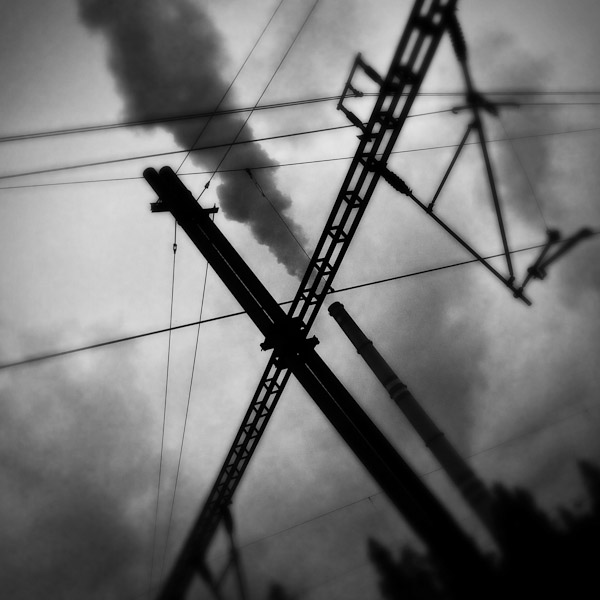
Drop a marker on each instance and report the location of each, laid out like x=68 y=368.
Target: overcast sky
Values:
x=514 y=387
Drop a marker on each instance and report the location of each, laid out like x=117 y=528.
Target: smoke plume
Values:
x=168 y=59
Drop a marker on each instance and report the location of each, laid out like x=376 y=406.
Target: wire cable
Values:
x=262 y=33
x=168 y=119
x=194 y=150
x=185 y=421
x=206 y=272
x=274 y=137
x=164 y=419
x=169 y=153
x=262 y=193
x=42 y=357
x=15 y=137
x=251 y=112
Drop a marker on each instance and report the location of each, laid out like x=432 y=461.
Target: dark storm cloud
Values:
x=168 y=59
x=76 y=505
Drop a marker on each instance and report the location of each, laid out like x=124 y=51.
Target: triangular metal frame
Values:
x=476 y=103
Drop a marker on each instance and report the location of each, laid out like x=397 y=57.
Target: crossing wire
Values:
x=168 y=153
x=251 y=112
x=166 y=119
x=171 y=328
x=278 y=213
x=202 y=130
x=185 y=421
x=260 y=37
x=15 y=137
x=42 y=357
x=206 y=270
x=237 y=142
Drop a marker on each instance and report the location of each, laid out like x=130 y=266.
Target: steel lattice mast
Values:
x=426 y=25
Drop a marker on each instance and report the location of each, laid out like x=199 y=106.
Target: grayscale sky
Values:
x=83 y=261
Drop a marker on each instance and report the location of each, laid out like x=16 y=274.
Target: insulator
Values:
x=457 y=38
x=371 y=72
x=353 y=119
x=396 y=182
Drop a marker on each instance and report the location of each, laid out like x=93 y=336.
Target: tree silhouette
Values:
x=540 y=556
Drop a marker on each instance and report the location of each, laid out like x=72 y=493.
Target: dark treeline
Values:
x=540 y=556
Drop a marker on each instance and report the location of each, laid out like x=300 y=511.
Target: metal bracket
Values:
x=290 y=340
x=351 y=91
x=161 y=206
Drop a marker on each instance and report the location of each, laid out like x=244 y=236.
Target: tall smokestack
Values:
x=168 y=59
x=466 y=480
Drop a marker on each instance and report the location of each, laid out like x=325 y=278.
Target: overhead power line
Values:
x=158 y=120
x=168 y=153
x=267 y=166
x=42 y=357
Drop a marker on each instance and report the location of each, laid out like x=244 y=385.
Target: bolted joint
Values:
x=289 y=340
